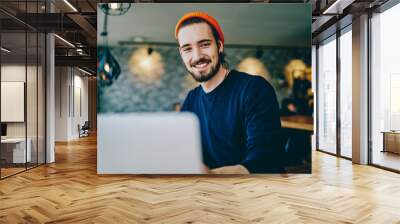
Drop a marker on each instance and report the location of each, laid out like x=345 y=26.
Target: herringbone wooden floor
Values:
x=70 y=191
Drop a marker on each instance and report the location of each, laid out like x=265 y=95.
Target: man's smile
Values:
x=201 y=65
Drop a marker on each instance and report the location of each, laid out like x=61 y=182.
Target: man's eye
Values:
x=187 y=49
x=205 y=45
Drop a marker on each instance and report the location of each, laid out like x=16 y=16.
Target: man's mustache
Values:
x=200 y=61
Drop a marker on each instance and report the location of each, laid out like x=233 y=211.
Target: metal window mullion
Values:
x=69 y=92
x=316 y=97
x=338 y=94
x=369 y=97
x=37 y=91
x=73 y=92
x=26 y=89
x=45 y=86
x=45 y=94
x=60 y=75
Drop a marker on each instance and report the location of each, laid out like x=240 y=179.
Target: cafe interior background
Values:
x=140 y=68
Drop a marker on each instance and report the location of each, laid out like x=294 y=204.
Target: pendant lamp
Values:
x=108 y=68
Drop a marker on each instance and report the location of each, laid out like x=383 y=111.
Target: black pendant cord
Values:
x=104 y=34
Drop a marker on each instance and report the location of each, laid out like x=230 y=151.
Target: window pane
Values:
x=327 y=96
x=345 y=94
x=386 y=89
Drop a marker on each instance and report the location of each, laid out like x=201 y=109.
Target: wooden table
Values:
x=299 y=122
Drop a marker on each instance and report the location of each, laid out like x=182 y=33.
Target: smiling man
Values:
x=238 y=112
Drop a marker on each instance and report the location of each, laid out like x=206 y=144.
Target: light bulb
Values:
x=107 y=68
x=114 y=6
x=146 y=63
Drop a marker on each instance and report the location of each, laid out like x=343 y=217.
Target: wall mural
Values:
x=153 y=78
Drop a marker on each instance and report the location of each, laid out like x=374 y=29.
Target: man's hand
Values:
x=236 y=169
x=205 y=169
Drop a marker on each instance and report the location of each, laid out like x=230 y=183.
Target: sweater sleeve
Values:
x=263 y=128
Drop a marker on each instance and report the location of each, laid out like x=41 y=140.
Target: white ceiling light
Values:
x=338 y=6
x=5 y=50
x=70 y=5
x=79 y=51
x=65 y=41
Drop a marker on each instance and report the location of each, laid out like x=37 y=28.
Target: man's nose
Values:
x=196 y=54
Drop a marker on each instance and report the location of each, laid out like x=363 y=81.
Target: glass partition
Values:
x=31 y=100
x=22 y=90
x=327 y=95
x=14 y=153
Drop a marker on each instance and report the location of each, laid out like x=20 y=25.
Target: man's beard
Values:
x=208 y=76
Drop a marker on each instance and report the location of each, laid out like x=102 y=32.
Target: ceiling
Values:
x=22 y=48
x=275 y=24
x=76 y=26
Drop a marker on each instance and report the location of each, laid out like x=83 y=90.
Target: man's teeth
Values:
x=202 y=65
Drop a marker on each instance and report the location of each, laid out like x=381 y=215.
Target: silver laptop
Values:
x=148 y=143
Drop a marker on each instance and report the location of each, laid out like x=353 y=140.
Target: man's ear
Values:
x=179 y=47
x=220 y=46
x=179 y=50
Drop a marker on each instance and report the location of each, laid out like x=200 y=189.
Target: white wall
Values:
x=12 y=73
x=80 y=103
x=61 y=103
x=70 y=83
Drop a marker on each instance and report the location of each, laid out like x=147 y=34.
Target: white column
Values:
x=360 y=90
x=50 y=99
x=50 y=92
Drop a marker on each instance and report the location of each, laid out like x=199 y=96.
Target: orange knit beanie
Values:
x=211 y=20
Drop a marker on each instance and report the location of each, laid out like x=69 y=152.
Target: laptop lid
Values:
x=148 y=143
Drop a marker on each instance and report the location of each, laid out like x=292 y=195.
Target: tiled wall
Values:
x=130 y=94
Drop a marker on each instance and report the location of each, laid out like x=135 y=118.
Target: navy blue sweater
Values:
x=239 y=123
